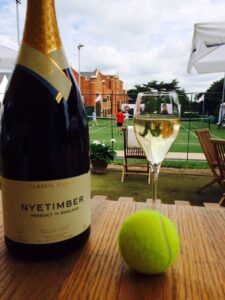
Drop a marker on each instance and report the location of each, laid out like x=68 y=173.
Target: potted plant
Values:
x=101 y=154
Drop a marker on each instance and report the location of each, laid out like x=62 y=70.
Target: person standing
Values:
x=119 y=120
x=126 y=116
x=94 y=118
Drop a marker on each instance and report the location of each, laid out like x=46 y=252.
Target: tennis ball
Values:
x=148 y=242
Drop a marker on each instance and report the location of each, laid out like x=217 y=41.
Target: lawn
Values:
x=170 y=187
x=106 y=130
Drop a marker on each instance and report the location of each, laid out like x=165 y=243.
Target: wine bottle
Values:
x=44 y=146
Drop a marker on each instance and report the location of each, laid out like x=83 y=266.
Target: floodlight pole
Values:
x=222 y=102
x=79 y=47
x=189 y=125
x=203 y=107
x=17 y=20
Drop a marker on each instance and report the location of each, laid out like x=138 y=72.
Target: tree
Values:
x=213 y=97
x=161 y=87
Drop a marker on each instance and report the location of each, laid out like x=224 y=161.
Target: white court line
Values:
x=186 y=143
x=193 y=134
x=96 y=129
x=215 y=136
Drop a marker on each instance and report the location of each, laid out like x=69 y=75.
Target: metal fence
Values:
x=195 y=115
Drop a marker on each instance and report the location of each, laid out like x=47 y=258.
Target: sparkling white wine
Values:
x=156 y=135
x=44 y=146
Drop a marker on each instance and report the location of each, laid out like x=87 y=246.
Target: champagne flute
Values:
x=156 y=125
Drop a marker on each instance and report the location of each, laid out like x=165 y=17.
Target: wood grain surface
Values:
x=97 y=271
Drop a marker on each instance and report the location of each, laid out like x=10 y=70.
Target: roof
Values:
x=88 y=74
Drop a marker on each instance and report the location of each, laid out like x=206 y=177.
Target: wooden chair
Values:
x=132 y=150
x=207 y=147
x=219 y=148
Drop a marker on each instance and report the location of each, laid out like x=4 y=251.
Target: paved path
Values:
x=177 y=156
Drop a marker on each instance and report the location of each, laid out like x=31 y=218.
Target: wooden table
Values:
x=98 y=271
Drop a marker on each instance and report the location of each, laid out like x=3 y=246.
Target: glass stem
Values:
x=154 y=181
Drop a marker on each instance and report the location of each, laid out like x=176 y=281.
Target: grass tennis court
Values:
x=186 y=141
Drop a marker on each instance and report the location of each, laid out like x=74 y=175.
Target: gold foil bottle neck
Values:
x=41 y=29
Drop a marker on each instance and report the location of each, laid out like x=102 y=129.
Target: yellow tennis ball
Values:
x=148 y=242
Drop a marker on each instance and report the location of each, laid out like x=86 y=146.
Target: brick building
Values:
x=107 y=88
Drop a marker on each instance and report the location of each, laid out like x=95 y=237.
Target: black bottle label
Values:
x=49 y=66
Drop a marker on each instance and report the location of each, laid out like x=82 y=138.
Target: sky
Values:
x=139 y=40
